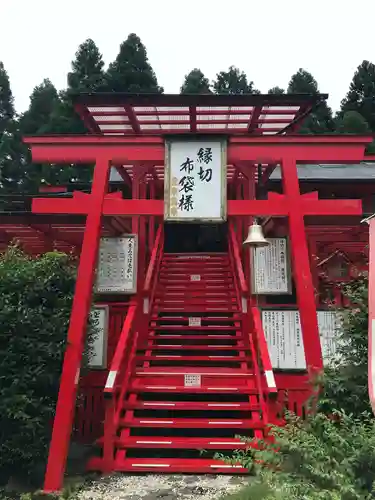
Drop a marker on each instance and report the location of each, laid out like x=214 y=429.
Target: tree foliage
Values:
x=276 y=91
x=131 y=70
x=361 y=94
x=345 y=383
x=196 y=83
x=233 y=81
x=320 y=121
x=87 y=73
x=352 y=122
x=12 y=172
x=35 y=303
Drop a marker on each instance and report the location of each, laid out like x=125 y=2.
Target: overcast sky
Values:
x=268 y=39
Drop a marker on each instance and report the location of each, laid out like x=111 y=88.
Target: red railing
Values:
x=118 y=382
x=252 y=316
x=121 y=367
x=153 y=270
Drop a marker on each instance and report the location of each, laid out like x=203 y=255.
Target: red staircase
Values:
x=180 y=391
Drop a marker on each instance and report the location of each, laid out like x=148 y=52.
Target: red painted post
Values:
x=371 y=315
x=65 y=407
x=142 y=244
x=151 y=220
x=301 y=266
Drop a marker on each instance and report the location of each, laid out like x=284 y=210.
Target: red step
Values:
x=178 y=465
x=180 y=389
x=184 y=423
x=189 y=405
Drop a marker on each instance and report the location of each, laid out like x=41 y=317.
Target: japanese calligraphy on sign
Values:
x=195 y=186
x=117 y=265
x=271 y=268
x=284 y=337
x=98 y=354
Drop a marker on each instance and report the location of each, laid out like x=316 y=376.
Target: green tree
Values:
x=233 y=81
x=320 y=121
x=12 y=172
x=276 y=90
x=131 y=70
x=195 y=83
x=43 y=101
x=6 y=100
x=87 y=75
x=361 y=94
x=87 y=69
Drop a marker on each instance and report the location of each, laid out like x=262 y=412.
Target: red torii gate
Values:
x=138 y=151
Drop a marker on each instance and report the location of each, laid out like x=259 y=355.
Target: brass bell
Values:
x=255 y=237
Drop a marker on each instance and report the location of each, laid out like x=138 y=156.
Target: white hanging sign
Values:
x=195 y=277
x=195 y=181
x=283 y=332
x=98 y=354
x=192 y=380
x=271 y=268
x=117 y=265
x=195 y=321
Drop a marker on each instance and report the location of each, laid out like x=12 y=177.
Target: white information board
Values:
x=192 y=380
x=283 y=332
x=195 y=180
x=98 y=357
x=271 y=268
x=117 y=265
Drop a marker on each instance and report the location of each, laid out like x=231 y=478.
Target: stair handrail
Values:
x=262 y=348
x=153 y=270
x=242 y=288
x=123 y=357
x=253 y=314
x=121 y=349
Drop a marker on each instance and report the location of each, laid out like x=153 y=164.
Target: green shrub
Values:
x=319 y=458
x=35 y=303
x=331 y=455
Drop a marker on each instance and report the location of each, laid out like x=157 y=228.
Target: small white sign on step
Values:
x=195 y=277
x=195 y=321
x=192 y=380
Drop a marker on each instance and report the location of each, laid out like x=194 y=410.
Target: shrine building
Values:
x=202 y=338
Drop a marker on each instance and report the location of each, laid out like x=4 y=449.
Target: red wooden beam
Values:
x=117 y=206
x=259 y=149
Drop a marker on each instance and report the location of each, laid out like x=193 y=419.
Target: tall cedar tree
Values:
x=43 y=102
x=86 y=76
x=361 y=95
x=130 y=71
x=233 y=81
x=195 y=83
x=11 y=161
x=320 y=121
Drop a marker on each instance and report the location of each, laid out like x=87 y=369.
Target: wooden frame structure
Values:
x=138 y=154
